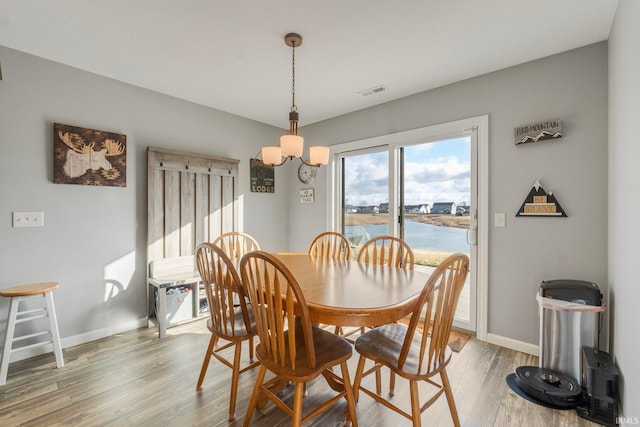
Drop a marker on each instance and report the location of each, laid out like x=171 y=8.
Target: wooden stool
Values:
x=20 y=293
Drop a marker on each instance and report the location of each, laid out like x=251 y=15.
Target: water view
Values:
x=417 y=235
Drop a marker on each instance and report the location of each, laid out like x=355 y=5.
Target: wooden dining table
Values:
x=350 y=293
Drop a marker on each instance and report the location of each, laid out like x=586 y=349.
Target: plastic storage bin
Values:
x=570 y=313
x=179 y=304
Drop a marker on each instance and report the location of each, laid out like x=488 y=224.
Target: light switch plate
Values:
x=500 y=219
x=28 y=219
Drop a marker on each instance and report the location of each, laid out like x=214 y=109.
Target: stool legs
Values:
x=11 y=326
x=8 y=339
x=53 y=327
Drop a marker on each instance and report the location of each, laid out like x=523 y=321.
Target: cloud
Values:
x=367 y=179
x=427 y=179
x=442 y=179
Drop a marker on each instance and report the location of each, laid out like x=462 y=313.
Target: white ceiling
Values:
x=230 y=55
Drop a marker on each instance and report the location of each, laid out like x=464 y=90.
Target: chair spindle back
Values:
x=236 y=244
x=279 y=309
x=330 y=244
x=224 y=291
x=434 y=312
x=387 y=250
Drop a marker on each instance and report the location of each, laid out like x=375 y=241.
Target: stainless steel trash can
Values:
x=570 y=318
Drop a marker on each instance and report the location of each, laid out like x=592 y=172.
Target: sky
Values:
x=434 y=172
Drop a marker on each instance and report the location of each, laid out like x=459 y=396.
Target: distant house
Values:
x=417 y=209
x=368 y=209
x=350 y=209
x=383 y=208
x=412 y=209
x=444 y=208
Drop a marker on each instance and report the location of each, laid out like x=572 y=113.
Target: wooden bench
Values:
x=166 y=273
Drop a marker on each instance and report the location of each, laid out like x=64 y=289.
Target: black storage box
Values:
x=600 y=383
x=576 y=291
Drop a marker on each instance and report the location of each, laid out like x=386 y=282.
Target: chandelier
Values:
x=292 y=144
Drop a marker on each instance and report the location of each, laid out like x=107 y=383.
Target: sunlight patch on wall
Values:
x=118 y=275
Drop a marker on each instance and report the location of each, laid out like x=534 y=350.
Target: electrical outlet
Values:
x=28 y=219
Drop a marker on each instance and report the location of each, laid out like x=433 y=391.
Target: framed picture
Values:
x=262 y=177
x=88 y=156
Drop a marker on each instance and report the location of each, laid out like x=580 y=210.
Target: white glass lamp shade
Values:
x=271 y=155
x=291 y=145
x=318 y=155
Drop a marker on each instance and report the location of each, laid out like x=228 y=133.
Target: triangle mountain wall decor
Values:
x=540 y=203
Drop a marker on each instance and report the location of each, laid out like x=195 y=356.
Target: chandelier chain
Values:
x=294 y=107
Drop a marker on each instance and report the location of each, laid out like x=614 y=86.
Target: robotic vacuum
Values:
x=550 y=387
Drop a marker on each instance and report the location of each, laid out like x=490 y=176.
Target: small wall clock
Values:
x=306 y=173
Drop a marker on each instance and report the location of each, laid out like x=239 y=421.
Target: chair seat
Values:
x=384 y=343
x=239 y=328
x=330 y=350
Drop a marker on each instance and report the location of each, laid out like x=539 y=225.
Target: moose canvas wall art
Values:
x=88 y=156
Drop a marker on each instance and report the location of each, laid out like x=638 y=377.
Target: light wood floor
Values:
x=135 y=379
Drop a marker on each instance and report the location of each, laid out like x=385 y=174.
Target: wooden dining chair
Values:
x=383 y=250
x=290 y=347
x=231 y=319
x=418 y=351
x=330 y=244
x=386 y=250
x=236 y=244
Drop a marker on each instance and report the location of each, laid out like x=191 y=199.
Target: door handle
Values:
x=471 y=236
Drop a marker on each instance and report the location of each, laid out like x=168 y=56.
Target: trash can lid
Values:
x=577 y=291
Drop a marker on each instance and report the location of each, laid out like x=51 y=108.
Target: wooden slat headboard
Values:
x=191 y=198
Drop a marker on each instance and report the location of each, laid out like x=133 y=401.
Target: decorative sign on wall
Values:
x=307 y=195
x=262 y=177
x=550 y=129
x=540 y=203
x=88 y=156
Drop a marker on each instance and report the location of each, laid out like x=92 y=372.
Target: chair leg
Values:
x=348 y=394
x=415 y=404
x=297 y=405
x=8 y=339
x=205 y=362
x=254 y=396
x=234 y=381
x=358 y=378
x=251 y=352
x=449 y=393
x=392 y=383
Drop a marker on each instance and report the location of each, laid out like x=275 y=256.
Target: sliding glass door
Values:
x=421 y=191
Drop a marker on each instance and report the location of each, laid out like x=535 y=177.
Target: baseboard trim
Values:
x=522 y=346
x=80 y=339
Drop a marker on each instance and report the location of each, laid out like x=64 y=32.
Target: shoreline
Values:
x=440 y=220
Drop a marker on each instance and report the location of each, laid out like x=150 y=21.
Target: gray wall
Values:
x=571 y=86
x=94 y=239
x=624 y=203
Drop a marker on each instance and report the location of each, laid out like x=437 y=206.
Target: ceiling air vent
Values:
x=373 y=90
